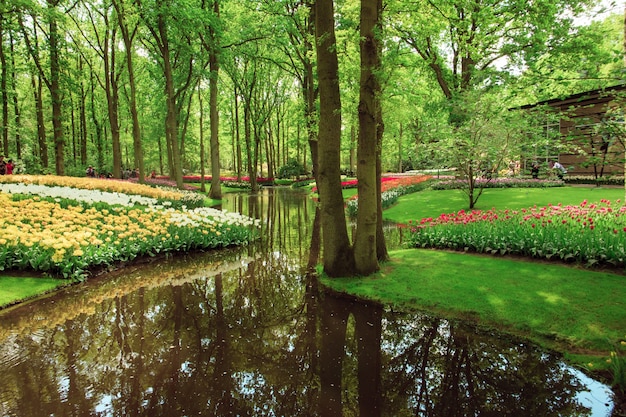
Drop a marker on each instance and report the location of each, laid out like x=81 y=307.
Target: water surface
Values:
x=246 y=332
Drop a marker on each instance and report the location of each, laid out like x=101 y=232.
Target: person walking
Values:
x=560 y=169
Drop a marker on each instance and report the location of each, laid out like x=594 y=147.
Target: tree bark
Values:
x=338 y=256
x=4 y=90
x=365 y=248
x=128 y=36
x=171 y=125
x=216 y=189
x=55 y=90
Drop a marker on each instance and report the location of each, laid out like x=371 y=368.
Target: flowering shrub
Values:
x=392 y=188
x=455 y=184
x=70 y=230
x=588 y=233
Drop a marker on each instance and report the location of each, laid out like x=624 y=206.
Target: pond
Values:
x=246 y=332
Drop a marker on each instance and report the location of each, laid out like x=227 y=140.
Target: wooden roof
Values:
x=599 y=95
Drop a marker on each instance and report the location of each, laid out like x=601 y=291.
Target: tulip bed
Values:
x=68 y=229
x=392 y=188
x=587 y=233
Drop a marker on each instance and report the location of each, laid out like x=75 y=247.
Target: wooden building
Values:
x=590 y=130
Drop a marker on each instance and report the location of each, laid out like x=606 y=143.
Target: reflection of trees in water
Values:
x=452 y=369
x=257 y=340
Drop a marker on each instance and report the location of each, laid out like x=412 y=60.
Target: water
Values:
x=245 y=332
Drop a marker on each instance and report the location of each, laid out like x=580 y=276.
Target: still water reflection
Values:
x=245 y=332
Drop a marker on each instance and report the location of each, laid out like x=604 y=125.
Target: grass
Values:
x=17 y=289
x=563 y=308
x=433 y=203
x=578 y=312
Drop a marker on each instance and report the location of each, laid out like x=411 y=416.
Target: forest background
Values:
x=154 y=84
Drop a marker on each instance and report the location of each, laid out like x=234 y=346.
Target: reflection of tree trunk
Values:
x=223 y=400
x=451 y=395
x=368 y=334
x=136 y=392
x=311 y=295
x=427 y=344
x=334 y=320
x=173 y=384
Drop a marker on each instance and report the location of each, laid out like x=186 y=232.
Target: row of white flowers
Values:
x=182 y=217
x=77 y=194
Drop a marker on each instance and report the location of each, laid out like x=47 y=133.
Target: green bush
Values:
x=292 y=169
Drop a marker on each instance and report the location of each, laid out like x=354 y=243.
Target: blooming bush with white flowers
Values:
x=68 y=231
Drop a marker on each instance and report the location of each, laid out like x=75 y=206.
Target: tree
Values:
x=212 y=45
x=338 y=256
x=51 y=78
x=129 y=26
x=484 y=142
x=365 y=243
x=470 y=43
x=174 y=46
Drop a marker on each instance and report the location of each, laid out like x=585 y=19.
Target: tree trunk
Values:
x=338 y=255
x=216 y=188
x=365 y=248
x=113 y=99
x=381 y=246
x=201 y=136
x=4 y=90
x=55 y=90
x=127 y=36
x=171 y=125
x=41 y=124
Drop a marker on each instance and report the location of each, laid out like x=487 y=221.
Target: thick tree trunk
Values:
x=338 y=255
x=365 y=248
x=381 y=245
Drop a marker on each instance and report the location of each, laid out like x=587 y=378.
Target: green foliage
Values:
x=497 y=183
x=292 y=169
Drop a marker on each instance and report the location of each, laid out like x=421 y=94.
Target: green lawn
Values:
x=581 y=313
x=15 y=289
x=433 y=203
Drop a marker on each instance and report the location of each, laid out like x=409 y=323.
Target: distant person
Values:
x=3 y=165
x=91 y=172
x=153 y=174
x=9 y=167
x=560 y=169
x=534 y=170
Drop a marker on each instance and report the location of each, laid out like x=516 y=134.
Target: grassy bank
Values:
x=578 y=312
x=17 y=289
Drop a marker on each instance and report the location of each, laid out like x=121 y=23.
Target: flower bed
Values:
x=393 y=188
x=456 y=184
x=587 y=233
x=67 y=231
x=35 y=184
